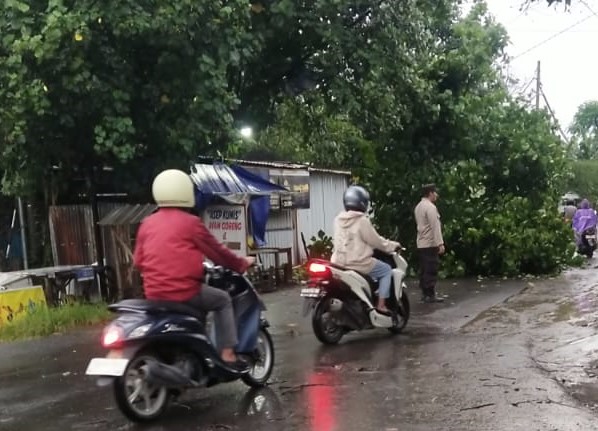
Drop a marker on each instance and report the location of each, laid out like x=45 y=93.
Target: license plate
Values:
x=107 y=367
x=310 y=292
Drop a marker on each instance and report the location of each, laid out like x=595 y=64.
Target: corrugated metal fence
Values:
x=280 y=233
x=326 y=201
x=71 y=233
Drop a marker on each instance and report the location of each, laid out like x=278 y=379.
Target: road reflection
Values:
x=321 y=394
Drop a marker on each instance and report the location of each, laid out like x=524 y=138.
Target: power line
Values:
x=525 y=9
x=575 y=24
x=519 y=89
x=553 y=116
x=527 y=85
x=588 y=7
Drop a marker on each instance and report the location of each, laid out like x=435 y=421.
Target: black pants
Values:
x=429 y=262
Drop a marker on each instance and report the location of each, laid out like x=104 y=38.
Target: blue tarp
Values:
x=236 y=184
x=231 y=181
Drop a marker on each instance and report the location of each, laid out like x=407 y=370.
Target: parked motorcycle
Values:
x=341 y=300
x=158 y=349
x=588 y=242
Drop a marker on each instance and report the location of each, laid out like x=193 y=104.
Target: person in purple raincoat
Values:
x=584 y=218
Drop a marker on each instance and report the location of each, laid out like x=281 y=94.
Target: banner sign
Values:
x=295 y=180
x=228 y=224
x=17 y=303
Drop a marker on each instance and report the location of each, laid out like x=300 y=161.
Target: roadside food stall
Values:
x=235 y=205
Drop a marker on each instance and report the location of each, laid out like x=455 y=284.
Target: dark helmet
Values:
x=356 y=198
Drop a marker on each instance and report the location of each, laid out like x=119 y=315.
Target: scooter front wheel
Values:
x=325 y=328
x=138 y=399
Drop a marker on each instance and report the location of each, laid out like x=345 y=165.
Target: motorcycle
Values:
x=588 y=242
x=159 y=349
x=341 y=300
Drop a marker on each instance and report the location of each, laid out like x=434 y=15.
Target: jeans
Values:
x=383 y=273
x=218 y=301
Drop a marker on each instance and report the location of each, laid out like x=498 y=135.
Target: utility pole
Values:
x=97 y=234
x=538 y=86
x=23 y=233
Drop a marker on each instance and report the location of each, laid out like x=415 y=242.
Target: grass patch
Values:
x=47 y=321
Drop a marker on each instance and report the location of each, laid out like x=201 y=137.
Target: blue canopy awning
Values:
x=231 y=181
x=237 y=185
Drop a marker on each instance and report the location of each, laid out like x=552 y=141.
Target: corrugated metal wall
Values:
x=71 y=233
x=279 y=234
x=326 y=201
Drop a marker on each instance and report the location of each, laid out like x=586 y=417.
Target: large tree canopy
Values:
x=426 y=103
x=85 y=83
x=401 y=92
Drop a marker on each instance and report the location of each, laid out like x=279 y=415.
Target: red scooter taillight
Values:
x=319 y=270
x=113 y=336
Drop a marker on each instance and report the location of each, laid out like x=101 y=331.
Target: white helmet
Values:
x=173 y=188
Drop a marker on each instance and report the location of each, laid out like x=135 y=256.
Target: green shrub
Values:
x=321 y=246
x=47 y=321
x=511 y=238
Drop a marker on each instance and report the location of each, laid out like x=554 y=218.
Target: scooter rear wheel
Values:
x=325 y=329
x=404 y=311
x=137 y=399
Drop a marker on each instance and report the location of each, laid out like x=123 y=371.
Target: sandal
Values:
x=238 y=365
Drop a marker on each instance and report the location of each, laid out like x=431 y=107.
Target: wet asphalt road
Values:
x=491 y=358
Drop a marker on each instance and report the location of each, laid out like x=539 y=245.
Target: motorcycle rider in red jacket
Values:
x=169 y=252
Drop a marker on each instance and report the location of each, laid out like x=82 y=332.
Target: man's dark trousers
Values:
x=429 y=262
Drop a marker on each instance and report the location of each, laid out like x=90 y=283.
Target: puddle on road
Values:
x=495 y=318
x=585 y=393
x=565 y=311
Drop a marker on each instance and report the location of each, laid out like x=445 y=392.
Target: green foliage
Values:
x=90 y=83
x=425 y=103
x=304 y=132
x=584 y=179
x=510 y=237
x=584 y=131
x=300 y=274
x=402 y=93
x=47 y=321
x=498 y=165
x=321 y=246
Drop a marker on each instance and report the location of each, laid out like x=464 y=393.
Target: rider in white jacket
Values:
x=355 y=240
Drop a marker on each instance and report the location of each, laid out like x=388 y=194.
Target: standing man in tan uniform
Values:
x=430 y=245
